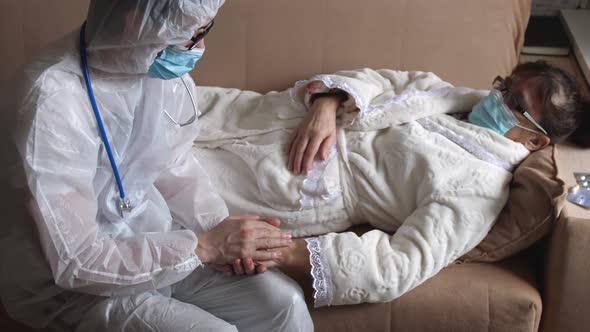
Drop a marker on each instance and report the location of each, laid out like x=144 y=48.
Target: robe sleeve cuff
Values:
x=326 y=84
x=320 y=272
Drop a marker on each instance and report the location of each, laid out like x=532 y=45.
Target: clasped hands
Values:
x=244 y=236
x=248 y=244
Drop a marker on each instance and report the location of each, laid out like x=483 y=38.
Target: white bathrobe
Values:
x=400 y=164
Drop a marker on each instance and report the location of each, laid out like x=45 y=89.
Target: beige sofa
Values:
x=266 y=45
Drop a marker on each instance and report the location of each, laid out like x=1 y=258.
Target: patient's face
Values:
x=529 y=96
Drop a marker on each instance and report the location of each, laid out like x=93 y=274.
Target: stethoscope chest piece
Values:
x=124 y=207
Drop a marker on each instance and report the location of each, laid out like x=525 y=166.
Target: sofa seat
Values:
x=469 y=297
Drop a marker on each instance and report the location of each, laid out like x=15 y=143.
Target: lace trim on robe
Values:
x=322 y=283
x=468 y=144
x=405 y=96
x=315 y=188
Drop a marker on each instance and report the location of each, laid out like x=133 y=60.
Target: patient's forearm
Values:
x=295 y=261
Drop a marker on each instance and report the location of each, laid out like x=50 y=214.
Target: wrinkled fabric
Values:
x=125 y=36
x=79 y=243
x=207 y=301
x=402 y=164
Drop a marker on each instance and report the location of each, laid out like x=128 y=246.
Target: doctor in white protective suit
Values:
x=125 y=218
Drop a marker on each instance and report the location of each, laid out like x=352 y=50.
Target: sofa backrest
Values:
x=268 y=44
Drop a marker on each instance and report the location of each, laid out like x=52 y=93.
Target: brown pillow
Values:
x=536 y=199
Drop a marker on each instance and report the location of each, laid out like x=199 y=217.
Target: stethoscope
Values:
x=124 y=203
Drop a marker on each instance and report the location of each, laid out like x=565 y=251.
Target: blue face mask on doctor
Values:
x=174 y=62
x=491 y=112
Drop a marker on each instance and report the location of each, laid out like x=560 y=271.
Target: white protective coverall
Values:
x=400 y=164
x=80 y=264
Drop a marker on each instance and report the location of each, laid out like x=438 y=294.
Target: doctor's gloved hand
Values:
x=242 y=236
x=314 y=136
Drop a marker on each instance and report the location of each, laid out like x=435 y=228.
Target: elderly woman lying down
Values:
x=395 y=150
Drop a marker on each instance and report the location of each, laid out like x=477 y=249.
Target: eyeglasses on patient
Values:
x=503 y=85
x=200 y=35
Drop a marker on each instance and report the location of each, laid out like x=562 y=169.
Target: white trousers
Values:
x=207 y=301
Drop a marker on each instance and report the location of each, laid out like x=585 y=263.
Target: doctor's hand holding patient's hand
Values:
x=314 y=136
x=242 y=236
x=293 y=261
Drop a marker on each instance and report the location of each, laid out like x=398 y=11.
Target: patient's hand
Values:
x=239 y=267
x=314 y=136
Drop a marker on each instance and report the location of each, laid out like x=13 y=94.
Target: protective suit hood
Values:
x=125 y=36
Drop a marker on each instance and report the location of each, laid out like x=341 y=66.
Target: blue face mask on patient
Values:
x=491 y=112
x=174 y=62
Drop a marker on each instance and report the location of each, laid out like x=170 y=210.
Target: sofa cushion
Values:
x=500 y=296
x=536 y=198
x=465 y=42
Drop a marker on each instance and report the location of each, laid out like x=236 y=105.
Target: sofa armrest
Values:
x=566 y=288
x=567 y=276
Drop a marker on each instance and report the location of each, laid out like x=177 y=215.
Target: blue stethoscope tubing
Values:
x=124 y=202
